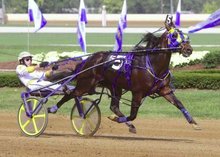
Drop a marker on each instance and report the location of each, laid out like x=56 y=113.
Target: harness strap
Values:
x=80 y=66
x=160 y=79
x=150 y=69
x=128 y=62
x=127 y=66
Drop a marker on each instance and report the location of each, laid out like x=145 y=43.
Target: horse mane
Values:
x=149 y=40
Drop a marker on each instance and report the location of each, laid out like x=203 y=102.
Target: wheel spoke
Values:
x=91 y=124
x=25 y=124
x=35 y=125
x=35 y=104
x=39 y=116
x=82 y=127
x=91 y=112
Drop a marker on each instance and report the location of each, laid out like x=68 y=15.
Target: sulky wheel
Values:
x=89 y=124
x=35 y=125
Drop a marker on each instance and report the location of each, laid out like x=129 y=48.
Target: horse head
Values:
x=176 y=38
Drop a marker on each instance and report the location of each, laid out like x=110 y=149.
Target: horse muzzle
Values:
x=187 y=52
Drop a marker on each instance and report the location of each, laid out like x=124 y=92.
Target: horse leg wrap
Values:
x=122 y=119
x=187 y=115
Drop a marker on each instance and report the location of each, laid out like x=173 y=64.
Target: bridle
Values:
x=176 y=37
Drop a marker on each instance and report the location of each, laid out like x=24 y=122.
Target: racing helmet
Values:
x=23 y=55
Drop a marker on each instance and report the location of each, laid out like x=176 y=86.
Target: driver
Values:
x=30 y=75
x=33 y=78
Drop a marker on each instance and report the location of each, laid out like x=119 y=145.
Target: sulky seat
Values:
x=45 y=92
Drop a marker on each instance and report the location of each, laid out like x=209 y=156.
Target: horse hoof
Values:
x=131 y=127
x=113 y=118
x=132 y=130
x=196 y=127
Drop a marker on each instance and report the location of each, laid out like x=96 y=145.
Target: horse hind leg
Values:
x=173 y=100
x=116 y=96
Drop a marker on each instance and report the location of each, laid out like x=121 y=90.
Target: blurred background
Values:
x=114 y=6
x=59 y=35
x=11 y=12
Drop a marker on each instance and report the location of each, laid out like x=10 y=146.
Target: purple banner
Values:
x=212 y=21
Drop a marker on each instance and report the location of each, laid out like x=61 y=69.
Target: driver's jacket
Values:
x=33 y=79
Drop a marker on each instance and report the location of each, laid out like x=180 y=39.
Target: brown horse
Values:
x=143 y=73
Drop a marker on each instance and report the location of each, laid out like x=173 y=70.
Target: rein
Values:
x=65 y=61
x=136 y=52
x=148 y=51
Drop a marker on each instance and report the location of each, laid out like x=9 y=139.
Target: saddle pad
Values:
x=118 y=62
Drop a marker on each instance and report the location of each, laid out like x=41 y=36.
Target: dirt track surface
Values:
x=155 y=137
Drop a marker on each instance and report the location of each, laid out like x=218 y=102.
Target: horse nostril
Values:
x=189 y=51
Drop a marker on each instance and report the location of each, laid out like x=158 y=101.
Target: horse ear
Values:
x=169 y=22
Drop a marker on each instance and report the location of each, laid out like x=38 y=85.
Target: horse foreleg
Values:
x=173 y=100
x=136 y=102
x=115 y=109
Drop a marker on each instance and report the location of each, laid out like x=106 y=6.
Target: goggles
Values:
x=27 y=59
